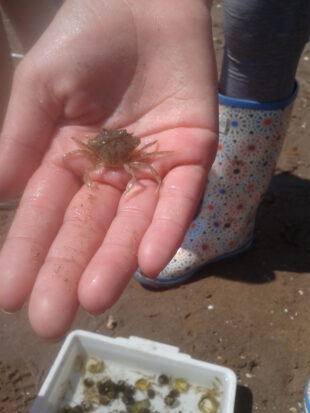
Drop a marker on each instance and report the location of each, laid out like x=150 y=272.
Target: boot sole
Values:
x=173 y=282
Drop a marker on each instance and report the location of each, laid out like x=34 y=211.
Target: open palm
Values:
x=144 y=66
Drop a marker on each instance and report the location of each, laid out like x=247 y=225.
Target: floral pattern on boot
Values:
x=250 y=141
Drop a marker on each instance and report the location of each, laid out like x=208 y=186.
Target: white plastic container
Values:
x=129 y=359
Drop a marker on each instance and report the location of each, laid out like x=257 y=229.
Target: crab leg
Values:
x=79 y=143
x=145 y=155
x=146 y=146
x=141 y=154
x=84 y=151
x=137 y=165
x=86 y=178
x=132 y=181
x=75 y=152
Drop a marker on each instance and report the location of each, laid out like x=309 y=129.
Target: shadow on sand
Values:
x=281 y=238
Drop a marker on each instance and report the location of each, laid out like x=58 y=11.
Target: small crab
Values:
x=116 y=149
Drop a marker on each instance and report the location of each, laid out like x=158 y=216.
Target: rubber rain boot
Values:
x=251 y=135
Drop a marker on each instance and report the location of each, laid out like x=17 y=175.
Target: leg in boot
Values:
x=252 y=130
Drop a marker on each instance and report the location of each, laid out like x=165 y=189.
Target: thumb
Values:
x=29 y=123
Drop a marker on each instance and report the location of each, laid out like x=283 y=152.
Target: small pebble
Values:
x=169 y=400
x=163 y=379
x=150 y=393
x=111 y=323
x=88 y=382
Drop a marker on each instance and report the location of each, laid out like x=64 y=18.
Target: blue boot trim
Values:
x=256 y=105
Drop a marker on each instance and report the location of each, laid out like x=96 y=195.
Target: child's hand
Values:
x=144 y=66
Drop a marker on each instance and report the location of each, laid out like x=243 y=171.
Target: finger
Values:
x=28 y=126
x=54 y=301
x=116 y=260
x=36 y=223
x=6 y=70
x=179 y=197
